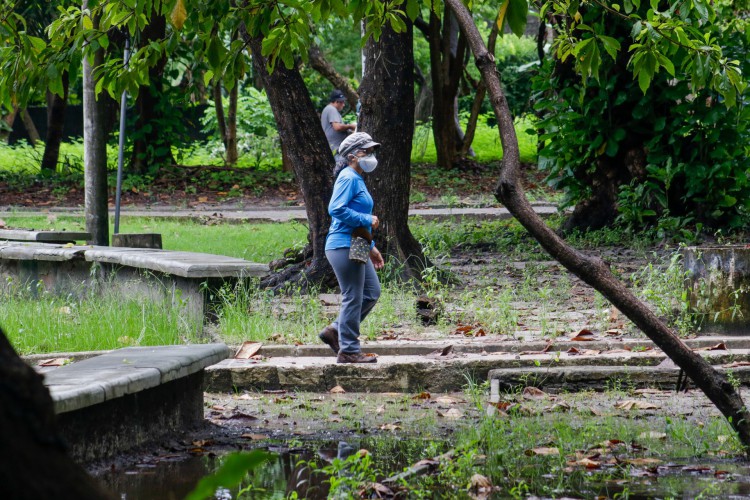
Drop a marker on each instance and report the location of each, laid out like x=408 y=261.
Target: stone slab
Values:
x=410 y=373
x=41 y=251
x=595 y=378
x=184 y=264
x=126 y=371
x=44 y=236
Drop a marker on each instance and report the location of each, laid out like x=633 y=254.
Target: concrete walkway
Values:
x=274 y=214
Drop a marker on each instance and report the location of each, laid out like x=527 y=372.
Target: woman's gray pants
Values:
x=360 y=290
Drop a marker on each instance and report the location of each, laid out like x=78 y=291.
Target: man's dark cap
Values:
x=337 y=95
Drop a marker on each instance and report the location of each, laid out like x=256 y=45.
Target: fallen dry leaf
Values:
x=737 y=364
x=448 y=400
x=422 y=395
x=640 y=462
x=652 y=435
x=586 y=462
x=247 y=397
x=583 y=335
x=452 y=414
x=378 y=491
x=337 y=390
x=614 y=332
x=254 y=437
x=721 y=346
x=632 y=404
x=3 y=224
x=54 y=362
x=389 y=427
x=480 y=484
x=542 y=451
x=248 y=350
x=533 y=393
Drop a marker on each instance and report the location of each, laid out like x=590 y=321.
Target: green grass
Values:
x=486 y=143
x=253 y=242
x=41 y=322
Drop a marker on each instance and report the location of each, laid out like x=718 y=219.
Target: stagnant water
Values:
x=174 y=477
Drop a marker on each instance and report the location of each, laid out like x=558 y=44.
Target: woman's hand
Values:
x=376 y=258
x=375 y=222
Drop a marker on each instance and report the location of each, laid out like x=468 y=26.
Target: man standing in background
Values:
x=333 y=126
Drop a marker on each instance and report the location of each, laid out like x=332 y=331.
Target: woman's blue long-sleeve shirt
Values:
x=350 y=207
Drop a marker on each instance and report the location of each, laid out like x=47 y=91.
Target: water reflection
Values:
x=173 y=478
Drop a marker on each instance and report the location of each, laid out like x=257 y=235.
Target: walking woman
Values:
x=351 y=211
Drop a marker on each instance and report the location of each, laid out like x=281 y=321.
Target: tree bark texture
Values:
x=481 y=92
x=28 y=124
x=55 y=123
x=319 y=63
x=447 y=49
x=94 y=153
x=36 y=465
x=231 y=140
x=221 y=121
x=147 y=107
x=307 y=149
x=387 y=114
x=592 y=270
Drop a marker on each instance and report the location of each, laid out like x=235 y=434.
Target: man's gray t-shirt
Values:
x=331 y=115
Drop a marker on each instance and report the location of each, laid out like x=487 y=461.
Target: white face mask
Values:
x=368 y=163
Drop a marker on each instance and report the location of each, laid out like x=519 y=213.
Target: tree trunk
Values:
x=147 y=107
x=447 y=51
x=231 y=141
x=319 y=63
x=55 y=123
x=94 y=153
x=387 y=114
x=28 y=123
x=593 y=270
x=307 y=149
x=221 y=121
x=36 y=465
x=476 y=105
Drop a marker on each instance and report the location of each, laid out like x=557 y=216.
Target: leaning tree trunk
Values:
x=320 y=64
x=387 y=114
x=593 y=270
x=307 y=149
x=28 y=123
x=481 y=92
x=36 y=464
x=94 y=153
x=55 y=123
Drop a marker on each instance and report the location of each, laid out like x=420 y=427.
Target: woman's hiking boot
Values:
x=330 y=336
x=356 y=357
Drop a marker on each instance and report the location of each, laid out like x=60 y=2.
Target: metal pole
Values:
x=121 y=151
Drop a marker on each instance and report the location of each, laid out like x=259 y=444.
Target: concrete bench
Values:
x=111 y=403
x=44 y=236
x=187 y=279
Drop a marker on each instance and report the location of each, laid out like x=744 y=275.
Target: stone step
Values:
x=413 y=373
x=597 y=378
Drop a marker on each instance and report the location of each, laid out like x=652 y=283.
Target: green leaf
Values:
x=230 y=474
x=412 y=9
x=207 y=76
x=518 y=12
x=87 y=22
